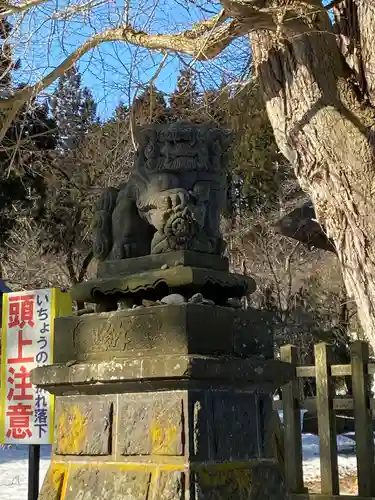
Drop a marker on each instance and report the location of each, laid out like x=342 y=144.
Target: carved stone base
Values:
x=254 y=480
x=171 y=445
x=126 y=267
x=162 y=329
x=154 y=284
x=162 y=403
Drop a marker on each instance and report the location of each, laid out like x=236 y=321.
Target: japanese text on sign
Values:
x=27 y=335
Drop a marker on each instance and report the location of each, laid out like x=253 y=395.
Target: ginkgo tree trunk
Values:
x=317 y=75
x=320 y=100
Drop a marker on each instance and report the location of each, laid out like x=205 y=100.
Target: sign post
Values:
x=33 y=477
x=26 y=412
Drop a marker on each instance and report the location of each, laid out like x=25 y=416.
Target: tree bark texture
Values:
x=319 y=105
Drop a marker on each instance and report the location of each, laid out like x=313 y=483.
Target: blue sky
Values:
x=115 y=71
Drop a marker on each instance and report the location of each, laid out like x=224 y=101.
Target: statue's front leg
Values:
x=132 y=235
x=125 y=248
x=102 y=224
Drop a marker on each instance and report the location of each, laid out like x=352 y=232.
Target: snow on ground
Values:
x=14 y=465
x=14 y=470
x=311 y=461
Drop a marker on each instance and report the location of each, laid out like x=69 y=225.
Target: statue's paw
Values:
x=130 y=249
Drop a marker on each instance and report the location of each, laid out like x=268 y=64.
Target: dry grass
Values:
x=348 y=485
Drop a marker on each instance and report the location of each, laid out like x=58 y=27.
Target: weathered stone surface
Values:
x=134 y=432
x=154 y=284
x=188 y=328
x=264 y=376
x=254 y=332
x=124 y=267
x=201 y=426
x=151 y=425
x=167 y=426
x=237 y=427
x=163 y=392
x=225 y=425
x=254 y=480
x=170 y=486
x=82 y=426
x=173 y=197
x=53 y=482
x=107 y=483
x=258 y=481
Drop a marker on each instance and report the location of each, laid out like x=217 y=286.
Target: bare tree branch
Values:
x=73 y=10
x=70 y=266
x=203 y=41
x=7 y=9
x=189 y=42
x=85 y=265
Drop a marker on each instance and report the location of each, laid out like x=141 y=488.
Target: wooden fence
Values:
x=326 y=403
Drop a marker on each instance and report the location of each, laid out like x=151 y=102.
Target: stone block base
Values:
x=162 y=445
x=257 y=479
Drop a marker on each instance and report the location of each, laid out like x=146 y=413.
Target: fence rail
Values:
x=326 y=404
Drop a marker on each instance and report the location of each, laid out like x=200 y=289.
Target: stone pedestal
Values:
x=162 y=402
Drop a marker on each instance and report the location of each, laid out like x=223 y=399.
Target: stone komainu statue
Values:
x=173 y=198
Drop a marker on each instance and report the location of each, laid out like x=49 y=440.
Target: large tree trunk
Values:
x=324 y=125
